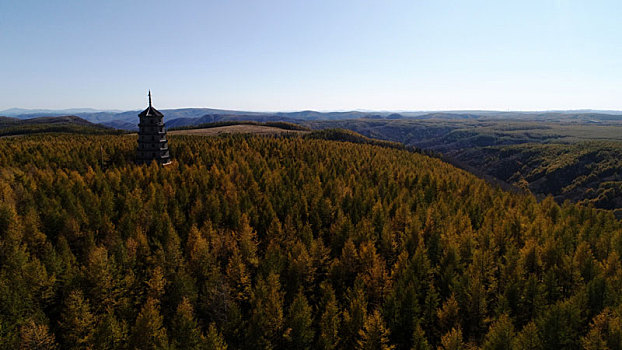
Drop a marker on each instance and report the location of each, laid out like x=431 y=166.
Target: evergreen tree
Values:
x=374 y=335
x=448 y=315
x=500 y=335
x=452 y=340
x=156 y=284
x=213 y=339
x=266 y=330
x=77 y=323
x=353 y=318
x=149 y=332
x=299 y=333
x=559 y=327
x=528 y=338
x=185 y=332
x=247 y=241
x=605 y=332
x=419 y=340
x=238 y=278
x=99 y=278
x=329 y=323
x=36 y=337
x=110 y=333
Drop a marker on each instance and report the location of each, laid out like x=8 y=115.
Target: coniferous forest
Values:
x=249 y=242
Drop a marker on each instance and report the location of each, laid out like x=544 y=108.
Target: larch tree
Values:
x=299 y=331
x=185 y=332
x=329 y=322
x=374 y=335
x=148 y=331
x=77 y=322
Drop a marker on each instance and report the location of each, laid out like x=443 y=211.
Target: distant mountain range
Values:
x=128 y=120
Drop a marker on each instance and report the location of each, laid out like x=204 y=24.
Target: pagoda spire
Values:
x=149 y=97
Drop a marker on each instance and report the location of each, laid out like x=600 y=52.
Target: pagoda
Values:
x=152 y=143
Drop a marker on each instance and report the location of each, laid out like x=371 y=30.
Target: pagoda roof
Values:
x=150 y=111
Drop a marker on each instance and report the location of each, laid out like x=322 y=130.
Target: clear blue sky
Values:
x=312 y=54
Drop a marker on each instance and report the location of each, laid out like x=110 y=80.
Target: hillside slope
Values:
x=587 y=172
x=68 y=124
x=522 y=153
x=288 y=243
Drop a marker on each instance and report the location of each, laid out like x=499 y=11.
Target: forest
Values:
x=291 y=242
x=571 y=158
x=62 y=124
x=589 y=173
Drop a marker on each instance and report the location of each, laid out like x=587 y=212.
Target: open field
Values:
x=236 y=129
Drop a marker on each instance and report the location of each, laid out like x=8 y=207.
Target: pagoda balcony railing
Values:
x=151 y=124
x=147 y=139
x=157 y=134
x=148 y=129
x=154 y=147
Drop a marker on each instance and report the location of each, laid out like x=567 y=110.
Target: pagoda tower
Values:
x=152 y=143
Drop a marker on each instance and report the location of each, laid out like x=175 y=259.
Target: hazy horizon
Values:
x=324 y=56
x=114 y=110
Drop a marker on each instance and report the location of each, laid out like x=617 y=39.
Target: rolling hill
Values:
x=474 y=140
x=69 y=124
x=291 y=242
x=570 y=160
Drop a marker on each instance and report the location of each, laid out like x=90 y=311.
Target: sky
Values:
x=285 y=55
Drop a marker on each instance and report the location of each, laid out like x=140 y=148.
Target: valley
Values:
x=574 y=161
